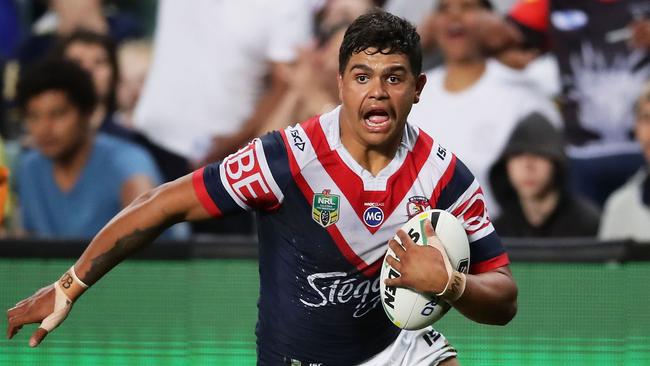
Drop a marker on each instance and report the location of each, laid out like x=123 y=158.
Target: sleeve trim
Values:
x=203 y=195
x=490 y=264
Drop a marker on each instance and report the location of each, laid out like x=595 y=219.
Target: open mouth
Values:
x=455 y=30
x=376 y=119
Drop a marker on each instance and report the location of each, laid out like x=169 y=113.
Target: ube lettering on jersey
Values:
x=323 y=226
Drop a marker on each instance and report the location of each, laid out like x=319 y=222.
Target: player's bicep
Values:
x=178 y=199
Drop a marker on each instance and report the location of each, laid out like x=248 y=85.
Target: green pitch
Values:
x=204 y=311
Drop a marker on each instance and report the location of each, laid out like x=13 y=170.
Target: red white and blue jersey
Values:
x=323 y=226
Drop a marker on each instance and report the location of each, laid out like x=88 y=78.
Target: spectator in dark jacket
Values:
x=529 y=182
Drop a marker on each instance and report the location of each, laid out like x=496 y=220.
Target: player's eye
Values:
x=362 y=78
x=393 y=79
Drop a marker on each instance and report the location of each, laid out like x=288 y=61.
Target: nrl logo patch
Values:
x=325 y=208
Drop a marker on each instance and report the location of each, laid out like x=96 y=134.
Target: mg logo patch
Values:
x=325 y=208
x=373 y=216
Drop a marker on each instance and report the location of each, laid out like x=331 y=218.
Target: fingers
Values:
x=16 y=322
x=37 y=337
x=12 y=326
x=393 y=262
x=396 y=248
x=12 y=330
x=404 y=238
x=394 y=282
x=19 y=303
x=428 y=229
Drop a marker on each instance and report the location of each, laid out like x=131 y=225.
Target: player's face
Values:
x=457 y=30
x=55 y=124
x=94 y=59
x=642 y=128
x=377 y=92
x=531 y=175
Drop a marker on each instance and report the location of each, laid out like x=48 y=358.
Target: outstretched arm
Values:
x=137 y=225
x=489 y=297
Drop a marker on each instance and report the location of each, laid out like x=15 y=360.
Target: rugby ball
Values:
x=409 y=309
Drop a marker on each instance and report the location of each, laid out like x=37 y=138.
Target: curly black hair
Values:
x=384 y=32
x=57 y=75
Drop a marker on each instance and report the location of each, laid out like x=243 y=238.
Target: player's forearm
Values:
x=489 y=298
x=136 y=226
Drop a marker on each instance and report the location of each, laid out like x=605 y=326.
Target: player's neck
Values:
x=371 y=158
x=461 y=75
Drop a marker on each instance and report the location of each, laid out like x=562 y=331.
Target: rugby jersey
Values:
x=323 y=226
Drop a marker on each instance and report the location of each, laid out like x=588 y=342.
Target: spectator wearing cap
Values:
x=529 y=182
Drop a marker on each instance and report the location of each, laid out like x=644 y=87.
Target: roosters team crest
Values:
x=325 y=208
x=416 y=205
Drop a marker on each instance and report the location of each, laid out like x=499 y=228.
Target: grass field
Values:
x=203 y=312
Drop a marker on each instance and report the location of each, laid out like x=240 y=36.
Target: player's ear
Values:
x=339 y=80
x=419 y=86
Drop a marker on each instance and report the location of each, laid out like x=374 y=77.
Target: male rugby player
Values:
x=330 y=193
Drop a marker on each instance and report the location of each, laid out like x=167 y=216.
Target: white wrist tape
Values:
x=455 y=287
x=62 y=306
x=67 y=289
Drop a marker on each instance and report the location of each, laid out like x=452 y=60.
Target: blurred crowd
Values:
x=547 y=102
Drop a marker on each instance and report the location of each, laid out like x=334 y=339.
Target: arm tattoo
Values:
x=123 y=248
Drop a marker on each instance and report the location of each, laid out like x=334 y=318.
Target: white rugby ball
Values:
x=409 y=309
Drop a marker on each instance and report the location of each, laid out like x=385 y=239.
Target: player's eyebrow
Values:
x=362 y=67
x=389 y=70
x=395 y=69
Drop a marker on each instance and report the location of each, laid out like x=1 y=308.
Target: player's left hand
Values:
x=423 y=268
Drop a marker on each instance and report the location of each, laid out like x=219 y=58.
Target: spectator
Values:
x=75 y=181
x=529 y=181
x=312 y=80
x=472 y=103
x=97 y=54
x=627 y=210
x=601 y=49
x=66 y=16
x=134 y=58
x=212 y=60
x=224 y=66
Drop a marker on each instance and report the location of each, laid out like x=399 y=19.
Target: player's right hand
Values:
x=49 y=305
x=33 y=309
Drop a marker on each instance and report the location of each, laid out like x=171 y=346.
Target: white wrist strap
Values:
x=67 y=289
x=455 y=287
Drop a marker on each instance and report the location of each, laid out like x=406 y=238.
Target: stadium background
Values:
x=580 y=303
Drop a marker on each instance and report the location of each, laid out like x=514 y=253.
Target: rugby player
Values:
x=329 y=194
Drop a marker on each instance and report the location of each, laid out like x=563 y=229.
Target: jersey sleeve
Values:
x=249 y=179
x=462 y=195
x=531 y=17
